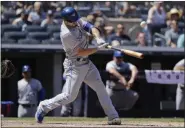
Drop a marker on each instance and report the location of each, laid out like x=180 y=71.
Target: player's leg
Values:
x=66 y=110
x=77 y=105
x=93 y=80
x=179 y=98
x=129 y=98
x=22 y=111
x=74 y=78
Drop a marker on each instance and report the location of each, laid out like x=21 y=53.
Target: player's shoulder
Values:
x=35 y=80
x=111 y=63
x=21 y=81
x=64 y=31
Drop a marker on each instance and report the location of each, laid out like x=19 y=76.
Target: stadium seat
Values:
x=144 y=17
x=128 y=43
x=4 y=21
x=28 y=41
x=51 y=42
x=9 y=14
x=11 y=20
x=57 y=15
x=7 y=41
x=35 y=28
x=163 y=30
x=38 y=35
x=84 y=11
x=144 y=11
x=14 y=35
x=10 y=28
x=53 y=28
x=56 y=35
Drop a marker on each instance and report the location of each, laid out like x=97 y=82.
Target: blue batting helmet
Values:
x=26 y=68
x=118 y=54
x=70 y=14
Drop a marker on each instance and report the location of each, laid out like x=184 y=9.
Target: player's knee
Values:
x=69 y=97
x=136 y=95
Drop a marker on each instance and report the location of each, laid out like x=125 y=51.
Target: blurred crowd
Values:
x=162 y=25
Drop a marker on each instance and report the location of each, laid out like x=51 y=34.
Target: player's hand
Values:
x=130 y=83
x=103 y=45
x=100 y=41
x=123 y=81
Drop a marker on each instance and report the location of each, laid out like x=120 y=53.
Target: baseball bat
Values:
x=128 y=52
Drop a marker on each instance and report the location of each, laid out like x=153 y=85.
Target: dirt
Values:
x=89 y=124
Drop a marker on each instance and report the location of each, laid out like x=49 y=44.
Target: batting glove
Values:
x=100 y=41
x=103 y=45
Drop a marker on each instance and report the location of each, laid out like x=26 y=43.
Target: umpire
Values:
x=30 y=92
x=118 y=86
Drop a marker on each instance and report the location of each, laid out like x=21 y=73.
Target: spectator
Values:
x=118 y=86
x=180 y=41
x=37 y=14
x=119 y=35
x=49 y=20
x=30 y=92
x=109 y=30
x=140 y=40
x=156 y=18
x=126 y=9
x=146 y=32
x=172 y=35
x=22 y=20
x=174 y=14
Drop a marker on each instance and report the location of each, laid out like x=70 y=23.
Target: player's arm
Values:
x=134 y=73
x=115 y=73
x=96 y=33
x=88 y=27
x=41 y=92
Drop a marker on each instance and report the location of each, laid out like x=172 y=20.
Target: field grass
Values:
x=92 y=122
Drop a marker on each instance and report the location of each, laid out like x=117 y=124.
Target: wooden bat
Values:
x=128 y=52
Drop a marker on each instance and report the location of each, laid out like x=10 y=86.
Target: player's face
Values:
x=26 y=75
x=118 y=60
x=71 y=24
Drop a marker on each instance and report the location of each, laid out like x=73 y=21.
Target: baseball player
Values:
x=30 y=92
x=117 y=86
x=78 y=68
x=180 y=87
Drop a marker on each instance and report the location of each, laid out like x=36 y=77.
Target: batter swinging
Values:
x=78 y=68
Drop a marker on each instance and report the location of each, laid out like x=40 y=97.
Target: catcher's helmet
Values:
x=70 y=14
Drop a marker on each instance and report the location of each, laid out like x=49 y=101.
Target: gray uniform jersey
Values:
x=73 y=39
x=123 y=67
x=27 y=91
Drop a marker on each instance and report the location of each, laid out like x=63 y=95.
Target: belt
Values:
x=28 y=105
x=79 y=59
x=114 y=89
x=182 y=87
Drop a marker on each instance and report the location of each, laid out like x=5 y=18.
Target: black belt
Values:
x=28 y=105
x=79 y=59
x=115 y=89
